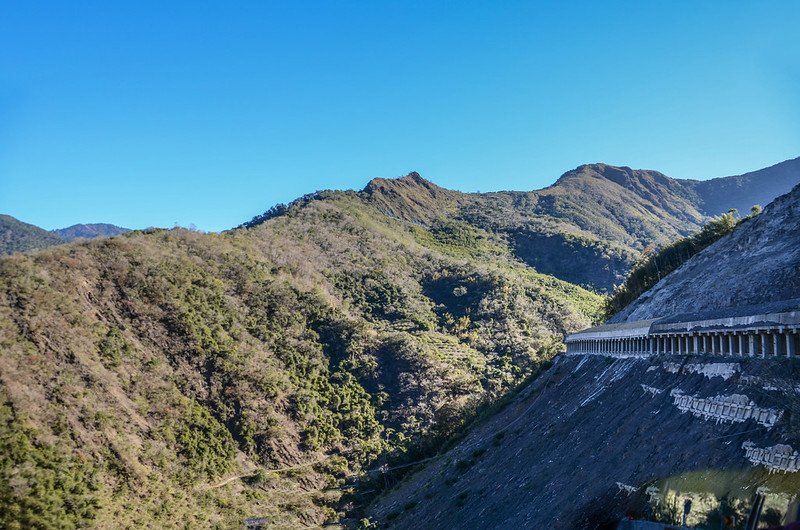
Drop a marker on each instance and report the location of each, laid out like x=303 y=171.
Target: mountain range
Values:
x=273 y=370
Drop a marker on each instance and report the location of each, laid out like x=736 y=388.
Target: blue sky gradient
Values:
x=210 y=112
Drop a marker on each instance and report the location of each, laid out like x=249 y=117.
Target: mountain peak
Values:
x=410 y=197
x=412 y=179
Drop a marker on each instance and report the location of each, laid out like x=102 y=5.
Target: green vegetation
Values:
x=304 y=351
x=207 y=446
x=655 y=263
x=41 y=486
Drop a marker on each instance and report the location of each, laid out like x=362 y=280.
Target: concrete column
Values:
x=713 y=340
x=776 y=344
x=763 y=345
x=789 y=344
x=696 y=342
x=730 y=344
x=751 y=338
x=741 y=344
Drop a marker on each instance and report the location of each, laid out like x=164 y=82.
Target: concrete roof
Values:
x=783 y=306
x=773 y=314
x=783 y=313
x=637 y=328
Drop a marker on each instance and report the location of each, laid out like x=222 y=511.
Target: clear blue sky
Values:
x=210 y=112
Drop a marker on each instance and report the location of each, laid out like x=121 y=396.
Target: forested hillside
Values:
x=165 y=376
x=16 y=236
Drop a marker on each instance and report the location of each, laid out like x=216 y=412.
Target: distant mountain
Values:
x=16 y=236
x=742 y=191
x=89 y=231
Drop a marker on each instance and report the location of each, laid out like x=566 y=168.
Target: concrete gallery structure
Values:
x=759 y=330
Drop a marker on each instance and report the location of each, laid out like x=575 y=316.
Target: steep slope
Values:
x=581 y=446
x=186 y=379
x=16 y=236
x=89 y=231
x=758 y=262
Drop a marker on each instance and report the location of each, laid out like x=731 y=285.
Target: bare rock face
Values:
x=759 y=262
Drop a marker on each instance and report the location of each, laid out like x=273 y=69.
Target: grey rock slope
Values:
x=758 y=262
x=578 y=448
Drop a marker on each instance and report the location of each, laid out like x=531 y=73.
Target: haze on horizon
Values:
x=147 y=115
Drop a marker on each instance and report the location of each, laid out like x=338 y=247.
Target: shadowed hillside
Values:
x=581 y=446
x=16 y=236
x=741 y=192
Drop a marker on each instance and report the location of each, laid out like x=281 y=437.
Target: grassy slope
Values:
x=140 y=373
